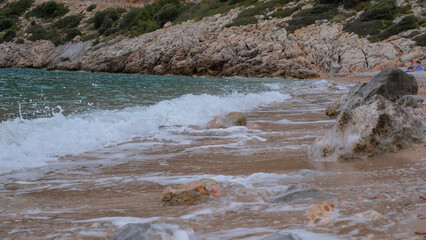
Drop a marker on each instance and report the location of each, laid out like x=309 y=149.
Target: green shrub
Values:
x=143 y=26
x=407 y=23
x=91 y=8
x=362 y=5
x=15 y=9
x=68 y=22
x=89 y=37
x=6 y=23
x=242 y=21
x=71 y=33
x=1 y=1
x=286 y=12
x=421 y=40
x=382 y=10
x=106 y=18
x=8 y=36
x=39 y=33
x=49 y=9
x=19 y=41
x=309 y=16
x=167 y=13
x=365 y=28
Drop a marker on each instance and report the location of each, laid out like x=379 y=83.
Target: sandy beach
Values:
x=92 y=195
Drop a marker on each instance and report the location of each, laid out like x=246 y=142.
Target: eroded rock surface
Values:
x=208 y=48
x=391 y=83
x=376 y=128
x=229 y=120
x=190 y=193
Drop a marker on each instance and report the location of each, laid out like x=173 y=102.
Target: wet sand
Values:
x=90 y=196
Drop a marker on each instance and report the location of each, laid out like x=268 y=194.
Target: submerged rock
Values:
x=190 y=193
x=376 y=128
x=145 y=231
x=229 y=120
x=280 y=236
x=369 y=215
x=297 y=193
x=320 y=214
x=391 y=84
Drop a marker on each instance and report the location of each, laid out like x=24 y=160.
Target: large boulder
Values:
x=391 y=83
x=378 y=127
x=190 y=193
x=229 y=120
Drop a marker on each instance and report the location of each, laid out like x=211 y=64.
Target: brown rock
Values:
x=229 y=120
x=190 y=193
x=320 y=214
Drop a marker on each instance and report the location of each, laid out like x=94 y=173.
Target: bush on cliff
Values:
x=6 y=23
x=15 y=9
x=8 y=36
x=260 y=9
x=38 y=32
x=383 y=9
x=286 y=12
x=407 y=23
x=91 y=8
x=68 y=22
x=71 y=33
x=309 y=16
x=106 y=19
x=151 y=17
x=421 y=40
x=365 y=28
x=49 y=9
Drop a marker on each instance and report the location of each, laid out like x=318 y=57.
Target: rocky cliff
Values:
x=207 y=48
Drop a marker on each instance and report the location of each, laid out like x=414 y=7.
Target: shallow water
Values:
x=87 y=170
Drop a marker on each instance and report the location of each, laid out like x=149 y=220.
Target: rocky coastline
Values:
x=206 y=48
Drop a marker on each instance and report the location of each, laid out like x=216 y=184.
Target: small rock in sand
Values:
x=229 y=120
x=190 y=193
x=370 y=236
x=379 y=197
x=320 y=214
x=369 y=215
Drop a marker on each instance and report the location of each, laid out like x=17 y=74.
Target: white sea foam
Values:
x=32 y=143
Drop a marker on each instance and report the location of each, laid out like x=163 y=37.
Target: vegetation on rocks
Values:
x=68 y=22
x=49 y=9
x=421 y=40
x=310 y=15
x=91 y=8
x=107 y=19
x=407 y=23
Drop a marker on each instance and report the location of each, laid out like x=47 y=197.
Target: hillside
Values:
x=286 y=38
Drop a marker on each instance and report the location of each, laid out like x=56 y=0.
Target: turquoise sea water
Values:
x=31 y=93
x=48 y=114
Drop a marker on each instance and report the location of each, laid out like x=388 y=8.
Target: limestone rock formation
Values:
x=208 y=48
x=190 y=193
x=391 y=83
x=229 y=120
x=376 y=128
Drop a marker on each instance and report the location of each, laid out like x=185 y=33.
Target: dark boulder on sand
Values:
x=391 y=83
x=371 y=121
x=376 y=128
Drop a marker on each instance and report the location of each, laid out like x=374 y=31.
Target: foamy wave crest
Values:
x=32 y=143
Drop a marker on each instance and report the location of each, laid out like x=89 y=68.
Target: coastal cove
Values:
x=82 y=154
